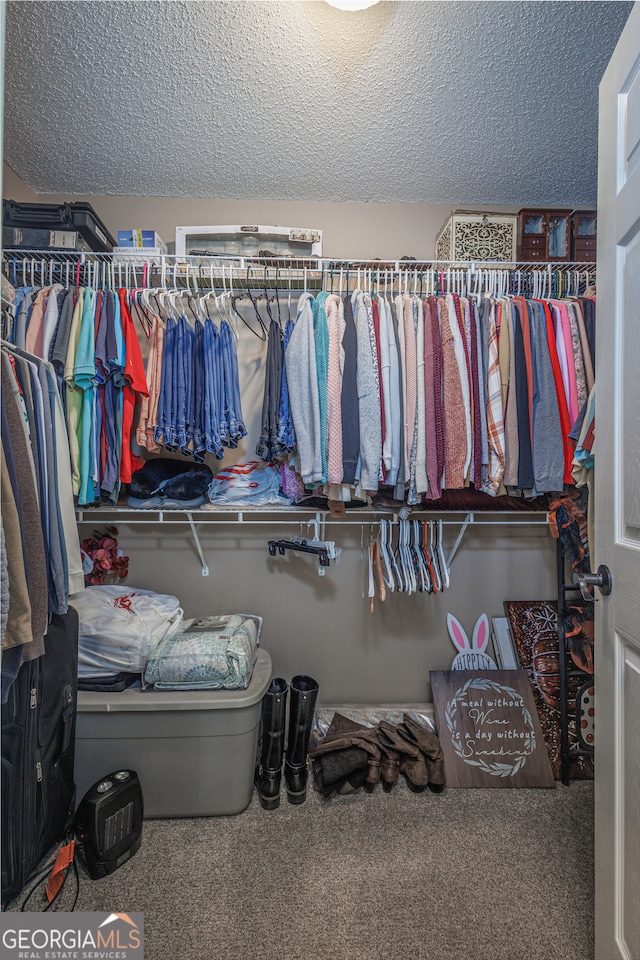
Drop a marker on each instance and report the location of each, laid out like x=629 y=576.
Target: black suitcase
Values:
x=38 y=738
x=49 y=219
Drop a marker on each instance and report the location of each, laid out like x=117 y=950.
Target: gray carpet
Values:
x=467 y=875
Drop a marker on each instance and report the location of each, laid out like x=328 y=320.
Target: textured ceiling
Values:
x=435 y=102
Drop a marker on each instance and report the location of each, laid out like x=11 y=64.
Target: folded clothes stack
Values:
x=164 y=484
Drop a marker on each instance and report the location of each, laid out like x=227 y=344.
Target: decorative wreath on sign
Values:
x=495 y=769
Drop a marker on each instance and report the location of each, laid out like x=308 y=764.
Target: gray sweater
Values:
x=368 y=401
x=547 y=446
x=302 y=381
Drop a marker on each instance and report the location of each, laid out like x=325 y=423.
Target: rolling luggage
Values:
x=38 y=741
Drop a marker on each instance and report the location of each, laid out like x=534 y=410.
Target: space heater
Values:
x=109 y=822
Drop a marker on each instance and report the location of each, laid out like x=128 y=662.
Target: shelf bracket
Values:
x=454 y=549
x=196 y=540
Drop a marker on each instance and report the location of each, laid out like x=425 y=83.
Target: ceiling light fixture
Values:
x=352 y=4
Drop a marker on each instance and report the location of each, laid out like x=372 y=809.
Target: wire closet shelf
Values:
x=198 y=274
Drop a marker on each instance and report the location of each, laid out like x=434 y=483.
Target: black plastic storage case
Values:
x=35 y=225
x=38 y=745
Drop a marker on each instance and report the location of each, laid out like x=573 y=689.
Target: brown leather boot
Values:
x=412 y=761
x=345 y=733
x=430 y=746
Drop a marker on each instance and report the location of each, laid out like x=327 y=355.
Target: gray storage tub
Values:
x=194 y=751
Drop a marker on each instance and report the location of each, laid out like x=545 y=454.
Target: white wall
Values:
x=13 y=188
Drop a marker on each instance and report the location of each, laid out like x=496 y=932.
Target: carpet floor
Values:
x=466 y=875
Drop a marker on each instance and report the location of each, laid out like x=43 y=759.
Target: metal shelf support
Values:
x=196 y=540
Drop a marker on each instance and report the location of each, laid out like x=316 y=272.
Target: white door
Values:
x=617 y=503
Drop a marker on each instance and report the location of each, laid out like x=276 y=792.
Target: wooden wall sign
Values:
x=489 y=729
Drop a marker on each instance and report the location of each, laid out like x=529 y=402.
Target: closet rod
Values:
x=196 y=275
x=317 y=265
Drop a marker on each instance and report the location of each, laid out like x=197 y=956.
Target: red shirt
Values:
x=135 y=386
x=565 y=419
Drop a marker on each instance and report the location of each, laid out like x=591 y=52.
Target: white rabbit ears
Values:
x=479 y=640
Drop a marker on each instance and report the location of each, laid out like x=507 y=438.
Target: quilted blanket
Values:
x=210 y=653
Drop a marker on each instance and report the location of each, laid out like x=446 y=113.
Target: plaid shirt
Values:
x=495 y=418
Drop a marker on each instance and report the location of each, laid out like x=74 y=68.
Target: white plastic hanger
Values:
x=444 y=569
x=387 y=572
x=433 y=557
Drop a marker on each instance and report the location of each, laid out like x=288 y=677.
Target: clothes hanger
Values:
x=409 y=564
x=149 y=309
x=163 y=300
x=444 y=569
x=433 y=583
x=424 y=584
x=206 y=295
x=175 y=298
x=226 y=301
x=191 y=300
x=227 y=316
x=138 y=312
x=433 y=559
x=371 y=582
x=264 y=330
x=277 y=300
x=389 y=573
x=400 y=559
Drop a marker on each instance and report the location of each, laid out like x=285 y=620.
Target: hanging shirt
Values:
x=476 y=459
x=286 y=434
x=212 y=389
x=438 y=390
x=135 y=387
x=50 y=323
x=84 y=369
x=334 y=393
x=321 y=336
x=561 y=400
x=231 y=385
x=495 y=422
x=195 y=428
x=74 y=393
x=397 y=312
x=268 y=447
x=368 y=398
x=385 y=375
x=525 y=465
x=455 y=431
x=396 y=421
x=464 y=440
x=422 y=484
x=349 y=397
x=511 y=443
x=431 y=449
x=547 y=442
x=409 y=374
x=578 y=360
x=302 y=378
x=34 y=331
